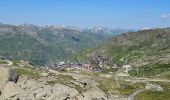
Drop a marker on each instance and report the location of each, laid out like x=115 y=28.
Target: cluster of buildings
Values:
x=63 y=65
x=97 y=64
x=102 y=62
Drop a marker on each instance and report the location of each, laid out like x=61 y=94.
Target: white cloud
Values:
x=165 y=16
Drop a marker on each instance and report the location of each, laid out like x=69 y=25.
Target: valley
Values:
x=129 y=66
x=48 y=44
x=84 y=50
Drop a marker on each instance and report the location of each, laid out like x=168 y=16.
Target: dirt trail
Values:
x=9 y=62
x=134 y=79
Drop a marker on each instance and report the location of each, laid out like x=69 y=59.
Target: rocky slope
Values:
x=21 y=81
x=35 y=84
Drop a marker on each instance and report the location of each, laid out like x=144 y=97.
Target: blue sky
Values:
x=87 y=13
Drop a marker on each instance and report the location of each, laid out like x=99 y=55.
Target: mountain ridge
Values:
x=125 y=48
x=44 y=45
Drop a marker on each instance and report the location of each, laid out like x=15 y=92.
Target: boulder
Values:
x=51 y=97
x=4 y=75
x=22 y=80
x=96 y=95
x=44 y=74
x=7 y=74
x=31 y=83
x=13 y=76
x=11 y=90
x=62 y=91
x=41 y=94
x=53 y=71
x=153 y=87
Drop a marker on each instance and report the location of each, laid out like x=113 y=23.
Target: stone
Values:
x=41 y=94
x=4 y=75
x=51 y=97
x=53 y=71
x=7 y=74
x=22 y=80
x=11 y=90
x=13 y=75
x=153 y=87
x=44 y=74
x=98 y=95
x=62 y=91
x=30 y=83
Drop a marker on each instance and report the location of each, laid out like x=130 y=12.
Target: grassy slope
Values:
x=135 y=48
x=152 y=70
x=150 y=95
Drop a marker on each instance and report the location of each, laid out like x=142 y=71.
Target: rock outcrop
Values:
x=11 y=90
x=7 y=74
x=8 y=78
x=4 y=75
x=72 y=87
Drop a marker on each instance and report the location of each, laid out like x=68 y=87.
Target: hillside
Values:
x=22 y=81
x=110 y=71
x=134 y=48
x=45 y=45
x=141 y=57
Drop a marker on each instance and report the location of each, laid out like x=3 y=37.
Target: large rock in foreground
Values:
x=4 y=75
x=10 y=90
x=7 y=74
x=62 y=92
x=8 y=77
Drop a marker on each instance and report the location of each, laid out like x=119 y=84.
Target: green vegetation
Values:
x=77 y=87
x=107 y=70
x=52 y=82
x=165 y=75
x=15 y=63
x=135 y=48
x=3 y=62
x=82 y=55
x=107 y=85
x=66 y=80
x=151 y=70
x=42 y=46
x=151 y=95
x=28 y=72
x=63 y=79
x=126 y=89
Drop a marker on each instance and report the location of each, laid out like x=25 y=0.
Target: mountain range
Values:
x=104 y=65
x=45 y=45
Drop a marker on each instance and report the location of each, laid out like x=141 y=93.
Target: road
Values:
x=132 y=96
x=9 y=62
x=135 y=79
